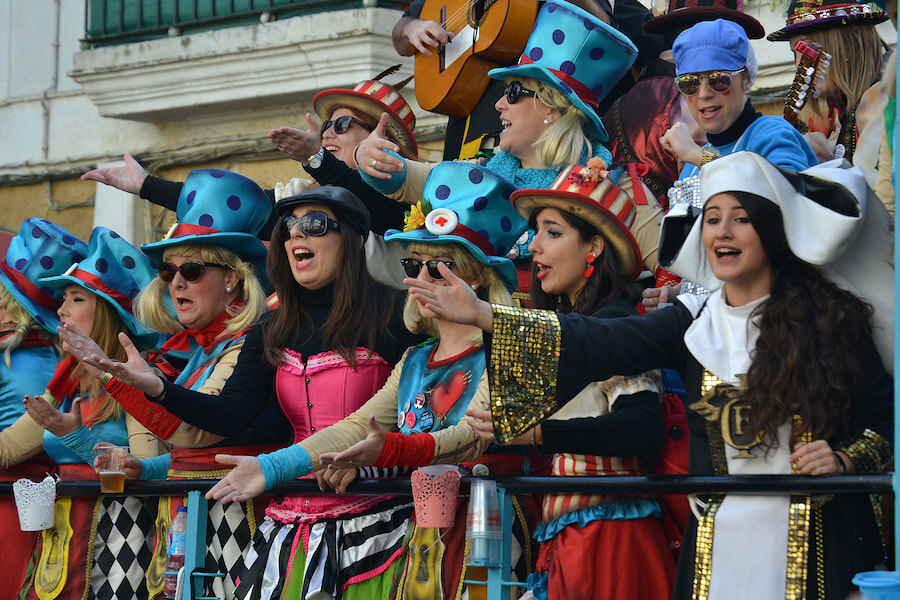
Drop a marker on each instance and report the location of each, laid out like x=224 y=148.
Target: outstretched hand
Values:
x=50 y=418
x=128 y=178
x=245 y=481
x=452 y=300
x=134 y=372
x=371 y=156
x=364 y=453
x=80 y=345
x=296 y=143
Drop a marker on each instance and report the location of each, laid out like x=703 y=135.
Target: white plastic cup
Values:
x=483 y=524
x=34 y=503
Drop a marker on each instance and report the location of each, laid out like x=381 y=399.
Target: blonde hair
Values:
x=469 y=268
x=150 y=307
x=565 y=140
x=24 y=323
x=856 y=62
x=104 y=331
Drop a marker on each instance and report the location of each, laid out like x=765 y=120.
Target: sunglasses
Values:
x=719 y=81
x=515 y=90
x=191 y=271
x=413 y=266
x=314 y=223
x=342 y=124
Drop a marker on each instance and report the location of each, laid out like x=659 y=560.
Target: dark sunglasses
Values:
x=191 y=271
x=314 y=223
x=515 y=90
x=719 y=81
x=413 y=266
x=342 y=124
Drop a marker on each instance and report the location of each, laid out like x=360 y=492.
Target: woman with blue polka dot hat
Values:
x=29 y=356
x=465 y=224
x=548 y=113
x=75 y=413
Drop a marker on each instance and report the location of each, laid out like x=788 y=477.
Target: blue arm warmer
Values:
x=386 y=186
x=285 y=464
x=156 y=467
x=81 y=442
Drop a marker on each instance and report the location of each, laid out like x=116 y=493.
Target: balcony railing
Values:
x=111 y=22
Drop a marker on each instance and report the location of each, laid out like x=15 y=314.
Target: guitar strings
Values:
x=453 y=20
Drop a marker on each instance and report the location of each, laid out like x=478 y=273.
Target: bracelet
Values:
x=840 y=463
x=355 y=164
x=534 y=437
x=107 y=377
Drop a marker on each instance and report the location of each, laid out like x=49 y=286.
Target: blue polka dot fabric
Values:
x=576 y=53
x=222 y=208
x=115 y=271
x=40 y=249
x=480 y=201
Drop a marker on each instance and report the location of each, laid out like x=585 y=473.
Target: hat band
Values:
x=94 y=281
x=29 y=289
x=183 y=229
x=476 y=238
x=581 y=90
x=835 y=10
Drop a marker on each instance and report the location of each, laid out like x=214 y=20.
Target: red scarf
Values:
x=32 y=339
x=208 y=337
x=62 y=385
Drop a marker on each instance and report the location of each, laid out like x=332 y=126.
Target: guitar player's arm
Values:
x=412 y=34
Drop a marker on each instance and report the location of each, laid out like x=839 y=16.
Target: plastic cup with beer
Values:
x=112 y=469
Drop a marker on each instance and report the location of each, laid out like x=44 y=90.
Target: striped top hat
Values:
x=814 y=15
x=40 y=249
x=373 y=97
x=686 y=13
x=219 y=208
x=588 y=194
x=578 y=54
x=466 y=204
x=115 y=271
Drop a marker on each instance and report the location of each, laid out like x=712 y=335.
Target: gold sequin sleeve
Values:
x=523 y=366
x=869 y=452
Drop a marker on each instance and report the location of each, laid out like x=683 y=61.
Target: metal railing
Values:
x=498 y=578
x=110 y=22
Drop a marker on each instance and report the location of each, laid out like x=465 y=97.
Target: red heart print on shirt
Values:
x=445 y=394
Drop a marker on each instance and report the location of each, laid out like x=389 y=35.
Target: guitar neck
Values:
x=811 y=70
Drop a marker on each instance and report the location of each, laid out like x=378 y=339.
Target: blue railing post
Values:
x=894 y=171
x=195 y=550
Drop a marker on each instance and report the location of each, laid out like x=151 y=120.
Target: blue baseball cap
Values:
x=718 y=45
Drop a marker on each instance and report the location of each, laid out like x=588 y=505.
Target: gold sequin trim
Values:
x=523 y=369
x=708 y=383
x=703 y=553
x=869 y=452
x=798 y=548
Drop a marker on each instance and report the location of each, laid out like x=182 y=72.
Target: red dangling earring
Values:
x=589 y=258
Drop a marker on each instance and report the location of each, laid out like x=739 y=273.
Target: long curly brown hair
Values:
x=805 y=360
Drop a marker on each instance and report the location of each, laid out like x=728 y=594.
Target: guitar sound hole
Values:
x=477 y=10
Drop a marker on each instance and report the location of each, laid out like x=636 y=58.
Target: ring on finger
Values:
x=374 y=162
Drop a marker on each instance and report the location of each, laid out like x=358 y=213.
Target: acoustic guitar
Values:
x=486 y=34
x=811 y=71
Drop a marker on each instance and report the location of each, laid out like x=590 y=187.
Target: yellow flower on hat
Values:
x=415 y=217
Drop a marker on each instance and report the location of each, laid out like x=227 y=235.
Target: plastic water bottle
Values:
x=175 y=551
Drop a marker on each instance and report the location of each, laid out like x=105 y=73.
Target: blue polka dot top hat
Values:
x=40 y=249
x=219 y=208
x=115 y=271
x=468 y=205
x=576 y=53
